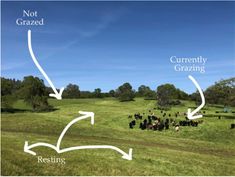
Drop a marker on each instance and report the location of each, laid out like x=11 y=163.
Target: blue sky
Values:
x=104 y=44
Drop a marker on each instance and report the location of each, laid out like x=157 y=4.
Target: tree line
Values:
x=34 y=92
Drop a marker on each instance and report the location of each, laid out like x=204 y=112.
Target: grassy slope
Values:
x=206 y=150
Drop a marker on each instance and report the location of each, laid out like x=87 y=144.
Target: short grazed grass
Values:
x=208 y=149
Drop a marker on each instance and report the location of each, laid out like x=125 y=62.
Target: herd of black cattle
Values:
x=152 y=122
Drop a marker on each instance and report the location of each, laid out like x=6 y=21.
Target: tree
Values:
x=165 y=93
x=34 y=93
x=150 y=95
x=97 y=93
x=7 y=101
x=86 y=94
x=72 y=91
x=8 y=92
x=146 y=92
x=125 y=92
x=142 y=90
x=181 y=95
x=112 y=93
x=222 y=92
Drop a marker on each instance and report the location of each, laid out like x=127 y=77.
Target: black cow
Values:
x=232 y=126
x=167 y=124
x=161 y=126
x=132 y=124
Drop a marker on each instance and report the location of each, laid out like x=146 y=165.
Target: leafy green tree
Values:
x=7 y=101
x=97 y=93
x=34 y=93
x=181 y=95
x=125 y=92
x=222 y=92
x=112 y=93
x=146 y=92
x=142 y=90
x=196 y=97
x=8 y=92
x=86 y=94
x=165 y=93
x=150 y=95
x=72 y=91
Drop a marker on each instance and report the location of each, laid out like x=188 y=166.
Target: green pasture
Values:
x=208 y=149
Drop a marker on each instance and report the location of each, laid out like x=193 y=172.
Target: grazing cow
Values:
x=193 y=123
x=130 y=125
x=149 y=126
x=145 y=121
x=167 y=124
x=161 y=126
x=154 y=117
x=133 y=122
x=200 y=121
x=232 y=126
x=144 y=124
x=169 y=115
x=177 y=128
x=155 y=127
x=150 y=121
x=188 y=123
x=130 y=116
x=138 y=116
x=219 y=117
x=183 y=123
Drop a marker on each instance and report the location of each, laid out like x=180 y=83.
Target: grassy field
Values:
x=208 y=149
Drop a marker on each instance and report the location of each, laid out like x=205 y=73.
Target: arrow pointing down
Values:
x=56 y=94
x=191 y=115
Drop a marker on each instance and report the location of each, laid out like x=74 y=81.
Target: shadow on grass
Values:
x=15 y=110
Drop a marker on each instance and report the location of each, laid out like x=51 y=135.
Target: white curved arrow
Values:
x=190 y=114
x=56 y=94
x=27 y=147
